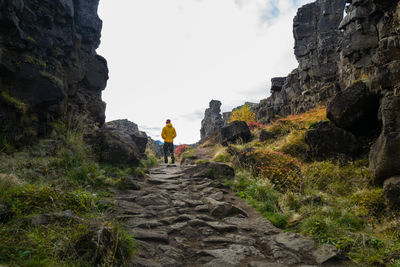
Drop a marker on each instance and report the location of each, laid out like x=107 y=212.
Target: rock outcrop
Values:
x=234 y=132
x=352 y=63
x=212 y=120
x=371 y=53
x=114 y=146
x=49 y=66
x=140 y=137
x=317 y=38
x=340 y=142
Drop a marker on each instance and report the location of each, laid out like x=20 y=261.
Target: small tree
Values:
x=243 y=114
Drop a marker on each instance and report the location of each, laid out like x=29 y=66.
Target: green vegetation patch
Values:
x=56 y=176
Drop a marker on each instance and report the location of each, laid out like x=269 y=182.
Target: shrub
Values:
x=294 y=144
x=254 y=125
x=180 y=150
x=223 y=157
x=371 y=202
x=243 y=114
x=335 y=179
x=297 y=122
x=281 y=169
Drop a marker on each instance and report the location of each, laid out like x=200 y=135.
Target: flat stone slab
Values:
x=150 y=235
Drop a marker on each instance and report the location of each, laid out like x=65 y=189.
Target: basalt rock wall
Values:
x=49 y=67
x=352 y=64
x=370 y=55
x=317 y=38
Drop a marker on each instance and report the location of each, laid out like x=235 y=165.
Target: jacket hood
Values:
x=169 y=125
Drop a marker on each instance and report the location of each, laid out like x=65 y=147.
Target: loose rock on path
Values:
x=180 y=220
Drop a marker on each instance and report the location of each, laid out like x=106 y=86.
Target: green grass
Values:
x=55 y=175
x=332 y=201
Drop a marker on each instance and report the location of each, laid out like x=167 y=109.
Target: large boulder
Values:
x=234 y=132
x=130 y=128
x=391 y=192
x=211 y=170
x=325 y=140
x=118 y=147
x=355 y=109
x=385 y=153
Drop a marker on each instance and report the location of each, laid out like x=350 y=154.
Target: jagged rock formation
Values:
x=49 y=66
x=212 y=120
x=235 y=131
x=141 y=139
x=352 y=63
x=371 y=54
x=340 y=142
x=317 y=37
x=118 y=144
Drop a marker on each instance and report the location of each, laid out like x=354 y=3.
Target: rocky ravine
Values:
x=180 y=218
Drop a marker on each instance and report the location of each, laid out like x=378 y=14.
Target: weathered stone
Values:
x=295 y=242
x=152 y=199
x=234 y=132
x=117 y=147
x=202 y=208
x=277 y=84
x=391 y=192
x=49 y=66
x=354 y=109
x=212 y=121
x=385 y=152
x=150 y=235
x=219 y=196
x=325 y=140
x=222 y=209
x=211 y=170
x=233 y=255
x=325 y=253
x=221 y=227
x=145 y=224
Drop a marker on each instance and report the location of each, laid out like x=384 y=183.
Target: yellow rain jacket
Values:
x=168 y=133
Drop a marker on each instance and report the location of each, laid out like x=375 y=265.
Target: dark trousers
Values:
x=169 y=149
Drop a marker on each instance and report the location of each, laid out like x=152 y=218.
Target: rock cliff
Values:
x=49 y=67
x=352 y=64
x=212 y=120
x=317 y=38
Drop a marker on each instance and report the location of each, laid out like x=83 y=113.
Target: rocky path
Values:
x=184 y=220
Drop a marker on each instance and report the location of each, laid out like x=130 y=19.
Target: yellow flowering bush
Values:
x=243 y=114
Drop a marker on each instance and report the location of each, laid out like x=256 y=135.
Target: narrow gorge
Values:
x=310 y=178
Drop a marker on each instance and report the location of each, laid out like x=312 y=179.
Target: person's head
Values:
x=168 y=121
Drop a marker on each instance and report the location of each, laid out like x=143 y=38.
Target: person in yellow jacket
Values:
x=168 y=134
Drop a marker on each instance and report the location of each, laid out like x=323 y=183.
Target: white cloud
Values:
x=168 y=59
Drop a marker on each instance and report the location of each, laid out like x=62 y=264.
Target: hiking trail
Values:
x=180 y=219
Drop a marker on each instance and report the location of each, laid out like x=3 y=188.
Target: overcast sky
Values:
x=170 y=58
